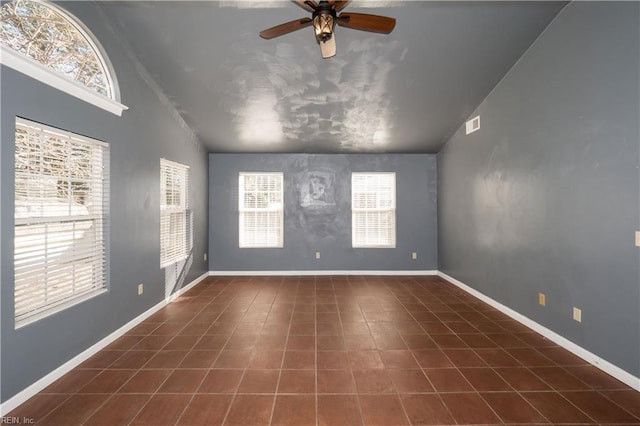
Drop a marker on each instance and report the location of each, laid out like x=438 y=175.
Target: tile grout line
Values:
x=499 y=375
x=353 y=377
x=284 y=353
x=102 y=370
x=529 y=347
x=475 y=391
x=235 y=393
x=195 y=392
x=164 y=381
x=315 y=348
x=416 y=361
x=613 y=401
x=112 y=394
x=338 y=313
x=401 y=289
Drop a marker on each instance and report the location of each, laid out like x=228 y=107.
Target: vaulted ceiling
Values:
x=404 y=92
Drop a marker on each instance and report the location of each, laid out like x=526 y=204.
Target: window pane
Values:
x=373 y=209
x=260 y=210
x=60 y=206
x=175 y=218
x=43 y=33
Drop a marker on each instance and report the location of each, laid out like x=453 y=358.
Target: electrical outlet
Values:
x=542 y=299
x=317 y=255
x=577 y=314
x=205 y=257
x=414 y=255
x=140 y=289
x=637 y=238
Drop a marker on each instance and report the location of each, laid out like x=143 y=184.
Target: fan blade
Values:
x=338 y=5
x=308 y=5
x=366 y=22
x=286 y=28
x=328 y=48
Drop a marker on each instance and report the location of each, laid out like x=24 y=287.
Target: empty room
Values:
x=319 y=212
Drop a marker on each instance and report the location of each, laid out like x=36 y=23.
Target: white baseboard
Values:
x=609 y=368
x=21 y=397
x=290 y=273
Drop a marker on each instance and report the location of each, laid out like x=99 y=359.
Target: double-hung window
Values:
x=61 y=219
x=175 y=218
x=373 y=209
x=260 y=210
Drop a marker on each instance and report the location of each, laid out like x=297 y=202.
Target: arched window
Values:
x=47 y=34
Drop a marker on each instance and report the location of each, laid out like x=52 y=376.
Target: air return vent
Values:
x=473 y=124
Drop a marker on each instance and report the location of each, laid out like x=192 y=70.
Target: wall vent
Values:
x=473 y=124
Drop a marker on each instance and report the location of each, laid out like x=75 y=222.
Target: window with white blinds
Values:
x=373 y=209
x=261 y=210
x=176 y=237
x=61 y=219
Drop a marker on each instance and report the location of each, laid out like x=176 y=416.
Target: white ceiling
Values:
x=404 y=92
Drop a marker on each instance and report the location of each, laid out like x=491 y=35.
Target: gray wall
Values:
x=148 y=131
x=328 y=231
x=544 y=198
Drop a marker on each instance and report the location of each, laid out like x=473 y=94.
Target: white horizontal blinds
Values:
x=261 y=210
x=175 y=217
x=61 y=208
x=373 y=208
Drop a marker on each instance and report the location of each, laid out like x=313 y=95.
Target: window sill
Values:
x=374 y=246
x=12 y=59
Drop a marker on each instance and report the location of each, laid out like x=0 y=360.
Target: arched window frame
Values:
x=34 y=69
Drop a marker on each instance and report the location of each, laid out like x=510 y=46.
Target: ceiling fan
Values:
x=324 y=19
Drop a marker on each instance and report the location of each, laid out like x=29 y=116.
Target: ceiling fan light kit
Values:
x=323 y=26
x=324 y=19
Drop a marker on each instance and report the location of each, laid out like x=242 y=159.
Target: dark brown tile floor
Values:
x=332 y=351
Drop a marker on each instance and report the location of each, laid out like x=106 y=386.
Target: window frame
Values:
x=38 y=71
x=99 y=218
x=355 y=211
x=243 y=211
x=177 y=250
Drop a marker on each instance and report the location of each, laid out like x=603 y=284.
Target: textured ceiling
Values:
x=404 y=92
